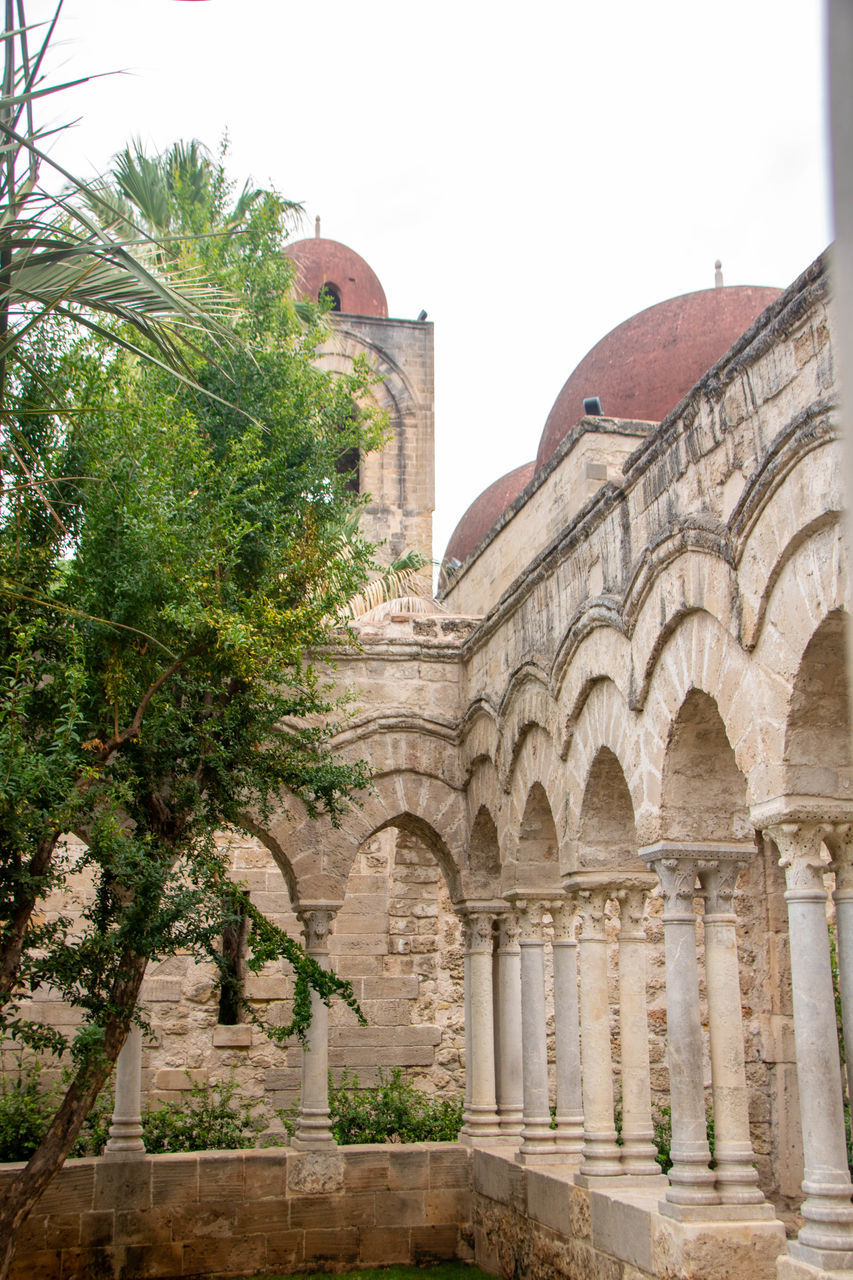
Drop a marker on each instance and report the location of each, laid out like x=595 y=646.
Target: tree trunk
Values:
x=31 y=1183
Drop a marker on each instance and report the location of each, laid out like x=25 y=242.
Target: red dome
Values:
x=328 y=263
x=645 y=366
x=484 y=512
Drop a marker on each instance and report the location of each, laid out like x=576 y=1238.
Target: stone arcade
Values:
x=610 y=828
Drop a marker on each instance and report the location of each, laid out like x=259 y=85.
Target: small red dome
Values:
x=484 y=512
x=645 y=366
x=337 y=268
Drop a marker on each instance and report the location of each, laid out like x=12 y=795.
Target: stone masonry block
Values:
x=355 y=1209
x=120 y=1185
x=409 y=1170
x=220 y=1175
x=384 y=1246
x=174 y=1180
x=72 y=1190
x=331 y=1246
x=449 y=1166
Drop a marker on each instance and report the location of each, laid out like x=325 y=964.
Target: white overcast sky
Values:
x=530 y=174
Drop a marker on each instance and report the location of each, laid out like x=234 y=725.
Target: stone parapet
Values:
x=541 y=1222
x=227 y=1213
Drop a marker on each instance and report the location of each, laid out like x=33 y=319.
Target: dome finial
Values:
x=718 y=274
x=317 y=227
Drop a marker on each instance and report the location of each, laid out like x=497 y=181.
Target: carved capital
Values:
x=800 y=846
x=633 y=901
x=479 y=933
x=838 y=839
x=718 y=878
x=531 y=913
x=317 y=924
x=678 y=884
x=509 y=932
x=592 y=903
x=564 y=916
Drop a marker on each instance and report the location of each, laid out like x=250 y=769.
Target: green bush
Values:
x=390 y=1111
x=207 y=1119
x=26 y=1109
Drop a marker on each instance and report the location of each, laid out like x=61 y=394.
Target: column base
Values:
x=124 y=1141
x=793 y=1267
x=134 y=1151
x=536 y=1158
x=763 y=1212
x=313 y=1142
x=313 y=1132
x=476 y=1137
x=592 y=1181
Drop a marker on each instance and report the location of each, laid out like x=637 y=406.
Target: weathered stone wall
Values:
x=537 y=1223
x=229 y=1213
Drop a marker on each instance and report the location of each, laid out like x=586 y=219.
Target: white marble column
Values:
x=125 y=1140
x=508 y=1035
x=736 y=1175
x=567 y=1046
x=826 y=1236
x=691 y=1181
x=313 y=1130
x=481 y=1117
x=839 y=841
x=600 y=1150
x=538 y=1139
x=638 y=1149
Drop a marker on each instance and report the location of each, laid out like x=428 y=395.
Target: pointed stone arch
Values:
x=817 y=755
x=607 y=834
x=605 y=723
x=703 y=792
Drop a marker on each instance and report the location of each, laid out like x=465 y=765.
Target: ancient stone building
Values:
x=611 y=833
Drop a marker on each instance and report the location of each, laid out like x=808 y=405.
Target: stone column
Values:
x=508 y=1003
x=313 y=1130
x=125 y=1140
x=839 y=841
x=600 y=1151
x=638 y=1148
x=567 y=1046
x=691 y=1182
x=481 y=1117
x=736 y=1175
x=538 y=1139
x=826 y=1236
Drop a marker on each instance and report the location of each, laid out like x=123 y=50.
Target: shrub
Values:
x=26 y=1110
x=390 y=1111
x=208 y=1119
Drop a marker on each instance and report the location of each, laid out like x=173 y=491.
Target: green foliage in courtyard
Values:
x=393 y=1110
x=174 y=556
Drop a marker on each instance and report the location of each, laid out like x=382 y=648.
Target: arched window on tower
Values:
x=332 y=291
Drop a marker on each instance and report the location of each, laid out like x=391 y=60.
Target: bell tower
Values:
x=400 y=480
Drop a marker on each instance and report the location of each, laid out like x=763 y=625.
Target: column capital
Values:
x=800 y=847
x=565 y=917
x=677 y=875
x=633 y=900
x=718 y=878
x=317 y=919
x=479 y=930
x=838 y=839
x=531 y=912
x=592 y=902
x=509 y=931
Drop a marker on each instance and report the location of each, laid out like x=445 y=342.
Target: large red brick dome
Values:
x=647 y=364
x=353 y=285
x=483 y=512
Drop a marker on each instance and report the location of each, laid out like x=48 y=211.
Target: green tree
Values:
x=171 y=554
